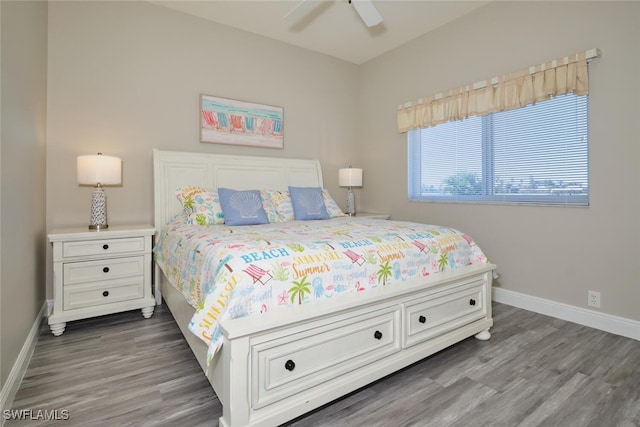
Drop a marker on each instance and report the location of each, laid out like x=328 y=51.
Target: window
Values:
x=536 y=154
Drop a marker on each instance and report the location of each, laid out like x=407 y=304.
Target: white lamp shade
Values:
x=350 y=177
x=98 y=169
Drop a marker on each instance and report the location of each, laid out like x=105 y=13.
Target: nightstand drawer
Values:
x=102 y=247
x=107 y=269
x=93 y=294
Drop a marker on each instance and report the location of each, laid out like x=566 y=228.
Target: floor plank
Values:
x=124 y=370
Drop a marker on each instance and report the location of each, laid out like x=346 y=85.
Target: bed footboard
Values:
x=289 y=363
x=284 y=366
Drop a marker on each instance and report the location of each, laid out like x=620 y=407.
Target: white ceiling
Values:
x=332 y=27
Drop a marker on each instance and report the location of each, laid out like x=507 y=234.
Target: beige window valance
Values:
x=506 y=92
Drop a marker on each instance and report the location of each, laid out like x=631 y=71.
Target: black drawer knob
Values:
x=422 y=319
x=105 y=294
x=472 y=302
x=377 y=335
x=106 y=269
x=289 y=365
x=105 y=247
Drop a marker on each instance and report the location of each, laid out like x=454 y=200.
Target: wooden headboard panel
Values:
x=174 y=169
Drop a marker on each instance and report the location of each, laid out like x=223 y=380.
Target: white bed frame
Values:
x=275 y=368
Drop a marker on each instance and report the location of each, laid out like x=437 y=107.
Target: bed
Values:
x=272 y=366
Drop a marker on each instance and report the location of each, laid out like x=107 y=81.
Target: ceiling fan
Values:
x=367 y=11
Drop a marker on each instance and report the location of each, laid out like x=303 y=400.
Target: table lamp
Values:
x=350 y=177
x=99 y=170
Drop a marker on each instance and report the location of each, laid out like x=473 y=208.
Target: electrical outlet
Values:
x=593 y=299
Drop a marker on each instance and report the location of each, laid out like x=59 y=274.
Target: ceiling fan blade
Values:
x=300 y=10
x=367 y=12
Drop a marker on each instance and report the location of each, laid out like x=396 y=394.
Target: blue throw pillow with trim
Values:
x=242 y=207
x=308 y=203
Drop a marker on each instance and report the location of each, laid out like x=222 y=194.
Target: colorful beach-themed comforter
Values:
x=230 y=272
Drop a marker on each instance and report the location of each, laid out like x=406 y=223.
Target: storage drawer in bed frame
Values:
x=285 y=366
x=347 y=347
x=430 y=316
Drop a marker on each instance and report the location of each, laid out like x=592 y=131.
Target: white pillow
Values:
x=201 y=206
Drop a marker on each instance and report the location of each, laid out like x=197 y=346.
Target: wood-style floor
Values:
x=124 y=370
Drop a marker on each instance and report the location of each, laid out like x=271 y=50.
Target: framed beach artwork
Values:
x=228 y=121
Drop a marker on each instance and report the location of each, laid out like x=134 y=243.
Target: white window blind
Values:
x=537 y=154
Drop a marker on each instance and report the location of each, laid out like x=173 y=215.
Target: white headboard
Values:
x=174 y=169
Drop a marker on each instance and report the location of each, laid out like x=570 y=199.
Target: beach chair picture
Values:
x=237 y=123
x=265 y=127
x=209 y=120
x=354 y=257
x=250 y=124
x=258 y=274
x=231 y=121
x=223 y=122
x=277 y=127
x=420 y=246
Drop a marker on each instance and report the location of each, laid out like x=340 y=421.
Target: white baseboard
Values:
x=605 y=322
x=21 y=364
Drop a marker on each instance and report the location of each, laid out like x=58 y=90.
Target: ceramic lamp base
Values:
x=98 y=209
x=351 y=203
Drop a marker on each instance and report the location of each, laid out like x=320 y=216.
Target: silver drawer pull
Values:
x=289 y=365
x=105 y=247
x=105 y=294
x=106 y=269
x=422 y=319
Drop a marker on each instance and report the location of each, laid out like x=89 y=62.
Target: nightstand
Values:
x=371 y=215
x=100 y=272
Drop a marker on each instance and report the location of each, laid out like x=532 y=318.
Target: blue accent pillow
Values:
x=242 y=207
x=308 y=203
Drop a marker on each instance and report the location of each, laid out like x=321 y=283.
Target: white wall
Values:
x=548 y=252
x=125 y=77
x=22 y=174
